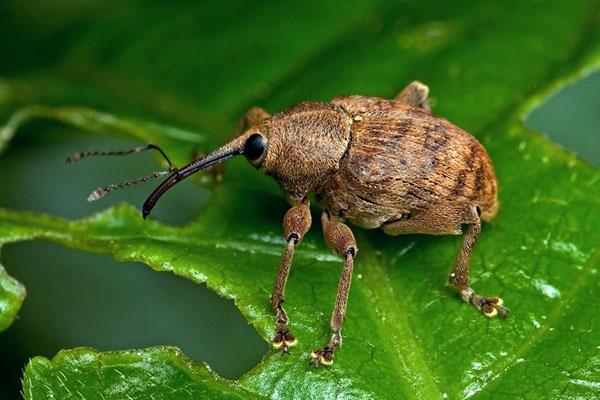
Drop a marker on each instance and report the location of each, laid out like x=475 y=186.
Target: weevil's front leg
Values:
x=459 y=277
x=253 y=116
x=416 y=94
x=339 y=238
x=296 y=223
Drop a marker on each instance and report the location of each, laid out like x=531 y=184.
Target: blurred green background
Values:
x=79 y=299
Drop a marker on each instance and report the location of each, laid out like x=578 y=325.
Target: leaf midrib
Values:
x=395 y=331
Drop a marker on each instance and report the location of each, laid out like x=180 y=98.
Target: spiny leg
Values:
x=416 y=94
x=459 y=277
x=338 y=237
x=296 y=223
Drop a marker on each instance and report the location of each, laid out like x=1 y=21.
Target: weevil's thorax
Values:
x=305 y=145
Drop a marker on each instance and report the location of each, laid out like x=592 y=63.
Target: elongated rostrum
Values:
x=377 y=163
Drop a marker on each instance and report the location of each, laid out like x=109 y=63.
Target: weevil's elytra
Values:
x=377 y=163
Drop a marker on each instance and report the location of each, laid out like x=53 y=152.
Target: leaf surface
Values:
x=407 y=334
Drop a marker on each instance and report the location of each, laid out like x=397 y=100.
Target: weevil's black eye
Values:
x=255 y=147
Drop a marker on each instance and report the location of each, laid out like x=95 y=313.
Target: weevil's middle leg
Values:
x=296 y=223
x=339 y=238
x=459 y=277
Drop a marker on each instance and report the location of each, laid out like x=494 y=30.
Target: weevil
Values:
x=377 y=163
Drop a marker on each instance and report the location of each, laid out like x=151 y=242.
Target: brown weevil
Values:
x=388 y=164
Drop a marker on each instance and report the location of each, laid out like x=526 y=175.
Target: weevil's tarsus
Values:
x=283 y=339
x=75 y=157
x=339 y=238
x=489 y=306
x=460 y=276
x=104 y=190
x=325 y=354
x=296 y=223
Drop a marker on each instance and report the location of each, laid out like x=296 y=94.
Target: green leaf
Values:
x=12 y=294
x=407 y=335
x=158 y=373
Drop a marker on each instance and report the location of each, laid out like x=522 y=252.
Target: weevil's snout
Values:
x=253 y=145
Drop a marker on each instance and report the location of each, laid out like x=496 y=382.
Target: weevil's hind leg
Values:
x=459 y=277
x=296 y=223
x=339 y=238
x=447 y=220
x=416 y=94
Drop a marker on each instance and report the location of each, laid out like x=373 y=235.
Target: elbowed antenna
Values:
x=75 y=157
x=231 y=149
x=104 y=190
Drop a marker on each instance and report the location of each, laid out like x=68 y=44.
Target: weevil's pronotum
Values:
x=388 y=164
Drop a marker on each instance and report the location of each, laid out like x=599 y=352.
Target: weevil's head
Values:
x=300 y=147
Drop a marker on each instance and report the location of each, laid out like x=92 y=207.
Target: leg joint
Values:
x=293 y=237
x=297 y=221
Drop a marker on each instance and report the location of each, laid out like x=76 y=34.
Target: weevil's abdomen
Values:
x=403 y=160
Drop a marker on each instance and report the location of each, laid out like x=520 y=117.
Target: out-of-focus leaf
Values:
x=12 y=294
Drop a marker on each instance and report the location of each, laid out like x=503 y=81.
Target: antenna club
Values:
x=73 y=158
x=97 y=194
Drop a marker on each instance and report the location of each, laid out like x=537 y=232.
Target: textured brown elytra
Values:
x=389 y=164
